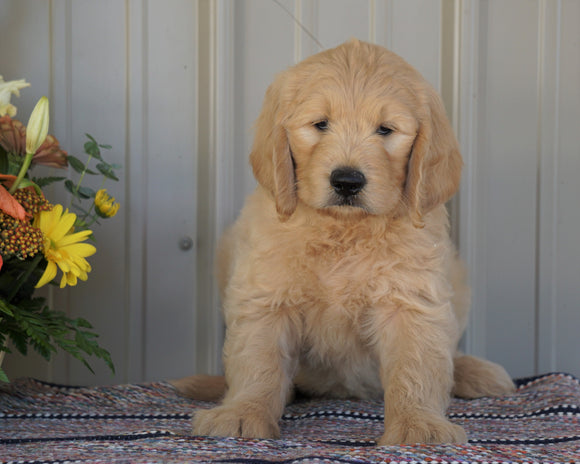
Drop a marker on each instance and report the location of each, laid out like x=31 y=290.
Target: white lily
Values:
x=7 y=89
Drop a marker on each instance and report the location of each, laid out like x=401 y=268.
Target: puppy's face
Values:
x=350 y=138
x=355 y=130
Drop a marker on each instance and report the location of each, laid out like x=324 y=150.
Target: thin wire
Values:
x=302 y=26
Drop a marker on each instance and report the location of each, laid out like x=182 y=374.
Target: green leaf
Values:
x=20 y=341
x=3 y=377
x=14 y=164
x=81 y=192
x=86 y=192
x=107 y=171
x=82 y=342
x=28 y=183
x=90 y=137
x=76 y=163
x=5 y=308
x=80 y=224
x=43 y=348
x=92 y=149
x=86 y=364
x=4 y=163
x=44 y=181
x=80 y=322
x=81 y=210
x=70 y=186
x=79 y=166
x=32 y=324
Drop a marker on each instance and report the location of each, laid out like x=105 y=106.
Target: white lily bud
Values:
x=37 y=128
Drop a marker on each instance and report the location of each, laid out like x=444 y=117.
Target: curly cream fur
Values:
x=359 y=300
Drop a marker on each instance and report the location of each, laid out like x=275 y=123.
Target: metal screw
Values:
x=186 y=243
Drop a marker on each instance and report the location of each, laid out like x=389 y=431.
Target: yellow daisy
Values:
x=62 y=247
x=105 y=205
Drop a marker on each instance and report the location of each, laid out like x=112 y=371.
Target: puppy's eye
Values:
x=321 y=125
x=384 y=131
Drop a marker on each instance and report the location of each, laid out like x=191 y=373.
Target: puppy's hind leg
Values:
x=475 y=377
x=201 y=387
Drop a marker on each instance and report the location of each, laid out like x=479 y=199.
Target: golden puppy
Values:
x=339 y=277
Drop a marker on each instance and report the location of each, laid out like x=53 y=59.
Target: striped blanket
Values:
x=46 y=423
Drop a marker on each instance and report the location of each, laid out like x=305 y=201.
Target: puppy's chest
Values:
x=341 y=274
x=349 y=276
x=341 y=286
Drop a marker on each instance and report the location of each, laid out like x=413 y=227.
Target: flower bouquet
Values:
x=38 y=238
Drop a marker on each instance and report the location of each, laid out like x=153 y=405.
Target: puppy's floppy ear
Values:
x=435 y=162
x=271 y=158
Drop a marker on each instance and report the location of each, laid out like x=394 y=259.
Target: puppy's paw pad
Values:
x=415 y=429
x=232 y=421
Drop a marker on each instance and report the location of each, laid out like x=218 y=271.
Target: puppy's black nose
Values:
x=347 y=181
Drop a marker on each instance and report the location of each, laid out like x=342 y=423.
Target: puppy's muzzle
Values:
x=347 y=182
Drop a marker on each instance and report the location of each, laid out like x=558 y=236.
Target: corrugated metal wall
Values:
x=175 y=86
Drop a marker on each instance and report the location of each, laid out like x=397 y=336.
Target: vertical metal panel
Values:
x=21 y=20
x=340 y=20
x=215 y=144
x=565 y=192
x=510 y=132
x=519 y=65
x=263 y=47
x=100 y=299
x=416 y=35
x=171 y=93
x=550 y=52
x=136 y=207
x=472 y=243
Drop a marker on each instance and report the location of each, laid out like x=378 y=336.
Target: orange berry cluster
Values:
x=31 y=201
x=19 y=238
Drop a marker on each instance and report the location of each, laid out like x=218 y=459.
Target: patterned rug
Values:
x=44 y=423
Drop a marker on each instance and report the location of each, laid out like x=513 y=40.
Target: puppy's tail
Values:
x=201 y=387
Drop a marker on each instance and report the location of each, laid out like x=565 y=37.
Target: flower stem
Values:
x=94 y=215
x=83 y=173
x=34 y=263
x=78 y=186
x=22 y=172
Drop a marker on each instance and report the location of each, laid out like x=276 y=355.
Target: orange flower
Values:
x=13 y=140
x=8 y=204
x=50 y=154
x=12 y=135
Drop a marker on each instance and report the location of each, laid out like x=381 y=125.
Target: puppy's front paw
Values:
x=235 y=421
x=421 y=428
